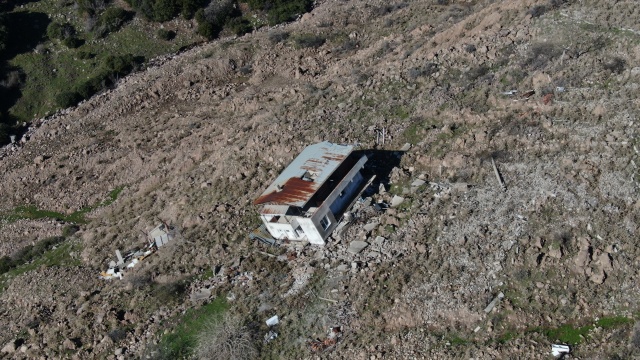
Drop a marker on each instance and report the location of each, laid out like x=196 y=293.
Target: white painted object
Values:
x=272 y=321
x=133 y=263
x=559 y=350
x=120 y=259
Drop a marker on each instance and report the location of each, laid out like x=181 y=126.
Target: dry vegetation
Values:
x=195 y=138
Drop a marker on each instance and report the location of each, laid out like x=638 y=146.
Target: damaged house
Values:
x=307 y=199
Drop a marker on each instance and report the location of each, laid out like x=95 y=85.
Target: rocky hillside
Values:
x=546 y=90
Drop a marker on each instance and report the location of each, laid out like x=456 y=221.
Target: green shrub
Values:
x=208 y=30
x=85 y=55
x=281 y=10
x=56 y=31
x=219 y=11
x=239 y=26
x=6 y=264
x=144 y=7
x=111 y=20
x=165 y=34
x=72 y=42
x=165 y=10
x=190 y=7
x=90 y=87
x=287 y=10
x=67 y=99
x=118 y=64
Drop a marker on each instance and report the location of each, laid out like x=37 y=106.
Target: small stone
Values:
x=379 y=240
x=68 y=344
x=203 y=294
x=396 y=201
x=10 y=348
x=357 y=246
x=422 y=248
x=370 y=226
x=555 y=252
x=460 y=187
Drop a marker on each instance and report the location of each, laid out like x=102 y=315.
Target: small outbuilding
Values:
x=308 y=198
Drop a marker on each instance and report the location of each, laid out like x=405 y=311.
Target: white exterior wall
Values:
x=280 y=231
x=311 y=230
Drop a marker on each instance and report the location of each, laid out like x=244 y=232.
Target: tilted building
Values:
x=307 y=199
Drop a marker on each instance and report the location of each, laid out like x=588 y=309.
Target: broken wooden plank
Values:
x=498 y=176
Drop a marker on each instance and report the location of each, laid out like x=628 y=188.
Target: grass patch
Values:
x=417 y=131
x=457 y=340
x=568 y=334
x=181 y=342
x=54 y=68
x=506 y=337
x=613 y=322
x=57 y=255
x=575 y=335
x=31 y=212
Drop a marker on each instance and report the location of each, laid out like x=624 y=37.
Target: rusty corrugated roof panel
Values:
x=320 y=160
x=274 y=210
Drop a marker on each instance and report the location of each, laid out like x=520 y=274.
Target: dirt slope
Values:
x=194 y=139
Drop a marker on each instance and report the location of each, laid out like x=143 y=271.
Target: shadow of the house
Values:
x=380 y=163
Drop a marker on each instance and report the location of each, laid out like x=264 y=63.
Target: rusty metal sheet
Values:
x=289 y=188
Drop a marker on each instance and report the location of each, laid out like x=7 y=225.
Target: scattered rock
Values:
x=396 y=201
x=371 y=226
x=202 y=294
x=357 y=246
x=10 y=347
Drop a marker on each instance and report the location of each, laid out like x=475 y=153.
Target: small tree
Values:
x=165 y=10
x=218 y=11
x=225 y=339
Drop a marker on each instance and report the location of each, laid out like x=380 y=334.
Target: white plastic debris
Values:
x=111 y=274
x=272 y=321
x=559 y=350
x=133 y=263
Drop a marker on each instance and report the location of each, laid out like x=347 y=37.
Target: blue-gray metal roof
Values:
x=299 y=181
